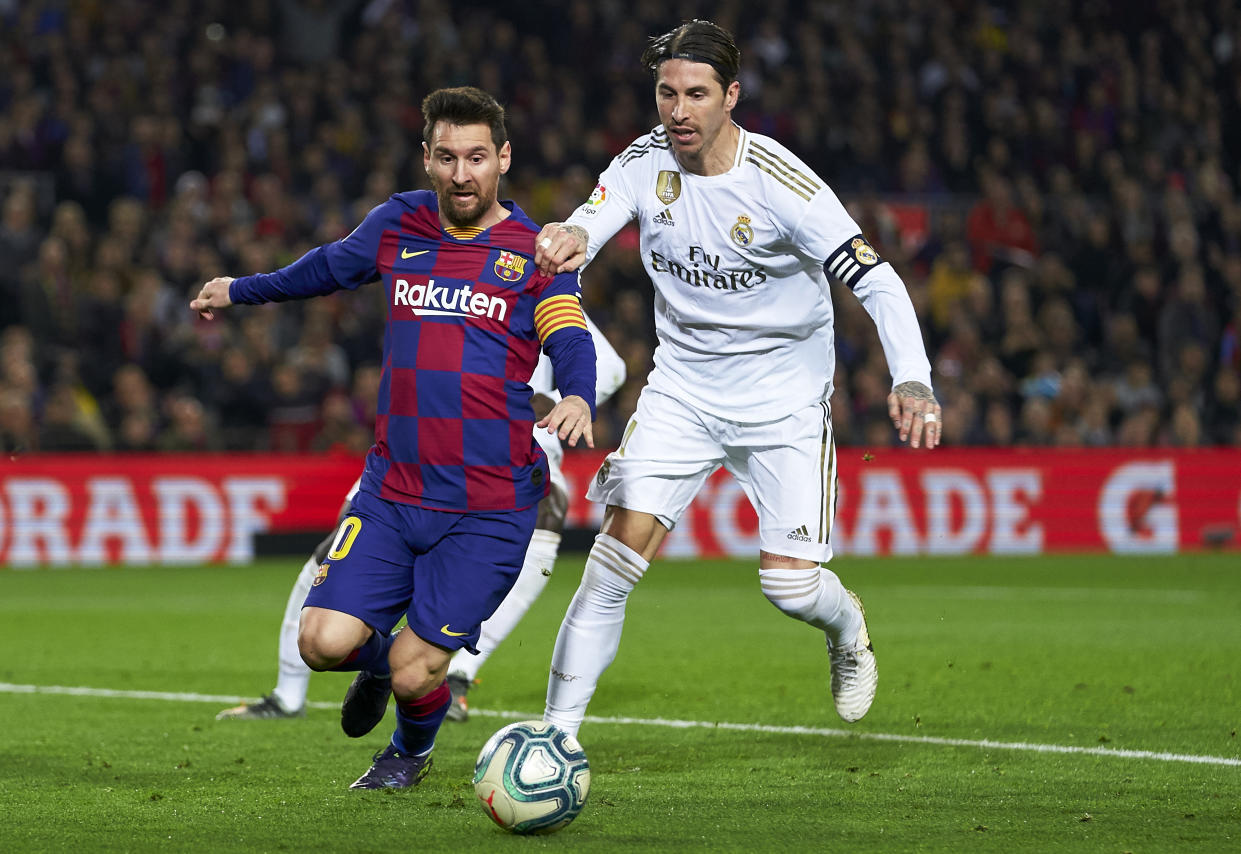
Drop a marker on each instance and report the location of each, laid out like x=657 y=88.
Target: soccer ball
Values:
x=532 y=777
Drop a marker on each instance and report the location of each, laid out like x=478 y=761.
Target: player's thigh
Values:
x=788 y=470
x=367 y=573
x=465 y=576
x=666 y=454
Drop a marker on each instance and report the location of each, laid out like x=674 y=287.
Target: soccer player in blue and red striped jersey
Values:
x=448 y=500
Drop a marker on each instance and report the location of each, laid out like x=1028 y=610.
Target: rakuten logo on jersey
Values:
x=456 y=301
x=703 y=271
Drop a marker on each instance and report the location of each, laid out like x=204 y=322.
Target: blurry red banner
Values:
x=987 y=501
x=162 y=508
x=90 y=509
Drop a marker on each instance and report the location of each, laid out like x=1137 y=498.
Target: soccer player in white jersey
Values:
x=739 y=238
x=288 y=698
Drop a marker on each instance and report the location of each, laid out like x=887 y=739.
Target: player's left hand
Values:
x=213 y=295
x=916 y=414
x=570 y=420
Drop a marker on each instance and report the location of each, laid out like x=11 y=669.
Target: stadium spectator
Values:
x=18 y=429
x=229 y=143
x=64 y=425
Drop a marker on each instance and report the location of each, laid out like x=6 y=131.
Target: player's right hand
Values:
x=570 y=420
x=558 y=249
x=213 y=295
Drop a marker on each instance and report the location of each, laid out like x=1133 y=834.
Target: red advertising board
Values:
x=89 y=509
x=162 y=508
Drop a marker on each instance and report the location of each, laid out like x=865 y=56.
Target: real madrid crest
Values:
x=668 y=186
x=863 y=252
x=742 y=234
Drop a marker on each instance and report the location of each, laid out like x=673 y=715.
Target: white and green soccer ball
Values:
x=532 y=777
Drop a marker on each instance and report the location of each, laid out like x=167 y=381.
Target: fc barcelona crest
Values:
x=321 y=575
x=668 y=186
x=510 y=267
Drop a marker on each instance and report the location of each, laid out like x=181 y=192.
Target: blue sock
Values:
x=419 y=720
x=371 y=656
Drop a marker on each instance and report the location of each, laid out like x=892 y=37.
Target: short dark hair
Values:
x=696 y=41
x=463 y=105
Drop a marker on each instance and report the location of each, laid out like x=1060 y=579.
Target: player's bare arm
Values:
x=560 y=248
x=915 y=413
x=570 y=420
x=213 y=295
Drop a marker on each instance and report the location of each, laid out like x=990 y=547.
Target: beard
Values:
x=464 y=213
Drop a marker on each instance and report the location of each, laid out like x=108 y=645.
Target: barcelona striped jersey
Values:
x=467 y=314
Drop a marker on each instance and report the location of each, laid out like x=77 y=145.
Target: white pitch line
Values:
x=822 y=732
x=1056 y=594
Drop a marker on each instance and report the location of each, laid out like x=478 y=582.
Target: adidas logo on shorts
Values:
x=800 y=534
x=664 y=217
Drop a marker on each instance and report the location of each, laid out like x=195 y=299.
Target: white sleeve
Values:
x=609 y=366
x=609 y=209
x=886 y=300
x=542 y=381
x=609 y=369
x=828 y=235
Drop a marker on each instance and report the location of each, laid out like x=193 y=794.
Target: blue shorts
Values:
x=446 y=572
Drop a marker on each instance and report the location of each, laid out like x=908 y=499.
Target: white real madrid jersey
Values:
x=743 y=308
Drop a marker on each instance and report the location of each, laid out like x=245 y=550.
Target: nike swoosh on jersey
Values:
x=451 y=633
x=406 y=254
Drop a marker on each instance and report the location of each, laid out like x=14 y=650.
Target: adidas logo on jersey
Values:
x=800 y=534
x=664 y=217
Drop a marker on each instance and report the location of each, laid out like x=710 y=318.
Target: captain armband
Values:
x=556 y=313
x=852 y=260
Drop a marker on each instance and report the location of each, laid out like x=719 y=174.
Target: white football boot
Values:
x=854 y=674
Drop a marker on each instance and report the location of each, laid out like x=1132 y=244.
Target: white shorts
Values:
x=550 y=443
x=787 y=468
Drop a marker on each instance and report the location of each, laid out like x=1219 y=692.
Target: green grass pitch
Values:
x=1025 y=704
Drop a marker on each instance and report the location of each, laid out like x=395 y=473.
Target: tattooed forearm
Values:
x=578 y=232
x=915 y=390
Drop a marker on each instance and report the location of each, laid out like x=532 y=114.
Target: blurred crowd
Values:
x=1057 y=182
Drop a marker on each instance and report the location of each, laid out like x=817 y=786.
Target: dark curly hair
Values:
x=696 y=41
x=463 y=105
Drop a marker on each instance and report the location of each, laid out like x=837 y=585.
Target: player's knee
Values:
x=324 y=643
x=794 y=592
x=417 y=678
x=320 y=655
x=608 y=585
x=552 y=511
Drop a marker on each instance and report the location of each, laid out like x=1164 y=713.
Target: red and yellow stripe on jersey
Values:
x=556 y=313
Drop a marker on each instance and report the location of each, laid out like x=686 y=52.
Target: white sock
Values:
x=814 y=596
x=293 y=677
x=591 y=631
x=536 y=569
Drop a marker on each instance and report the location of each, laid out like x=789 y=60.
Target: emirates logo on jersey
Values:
x=705 y=270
